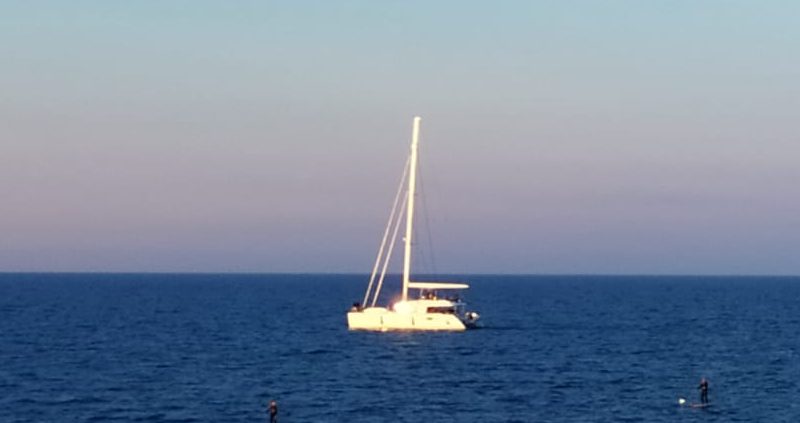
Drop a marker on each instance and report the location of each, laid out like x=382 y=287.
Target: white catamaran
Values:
x=428 y=311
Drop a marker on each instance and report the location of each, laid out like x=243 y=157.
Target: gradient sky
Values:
x=624 y=137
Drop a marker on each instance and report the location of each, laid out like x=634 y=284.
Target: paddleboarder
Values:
x=273 y=412
x=703 y=387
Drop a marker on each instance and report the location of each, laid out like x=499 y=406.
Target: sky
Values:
x=558 y=137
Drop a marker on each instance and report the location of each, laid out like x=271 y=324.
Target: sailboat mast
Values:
x=412 y=182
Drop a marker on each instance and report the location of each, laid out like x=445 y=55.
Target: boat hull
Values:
x=383 y=320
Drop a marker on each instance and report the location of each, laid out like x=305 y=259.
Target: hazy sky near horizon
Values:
x=643 y=137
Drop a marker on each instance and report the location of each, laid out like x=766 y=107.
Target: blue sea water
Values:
x=216 y=348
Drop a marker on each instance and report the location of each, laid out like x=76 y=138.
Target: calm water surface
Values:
x=216 y=348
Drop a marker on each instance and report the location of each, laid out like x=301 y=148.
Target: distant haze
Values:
x=623 y=137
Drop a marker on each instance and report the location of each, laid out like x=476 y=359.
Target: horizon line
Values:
x=444 y=274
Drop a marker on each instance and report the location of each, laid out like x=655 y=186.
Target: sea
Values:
x=218 y=347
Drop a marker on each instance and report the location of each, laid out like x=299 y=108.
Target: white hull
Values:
x=382 y=319
x=422 y=314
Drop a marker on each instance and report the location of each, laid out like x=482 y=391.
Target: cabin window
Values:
x=443 y=310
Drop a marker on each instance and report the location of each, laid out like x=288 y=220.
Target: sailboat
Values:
x=432 y=306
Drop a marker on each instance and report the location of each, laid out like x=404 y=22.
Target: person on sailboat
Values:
x=703 y=387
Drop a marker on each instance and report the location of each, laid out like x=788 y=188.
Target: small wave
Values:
x=318 y=351
x=155 y=417
x=500 y=328
x=70 y=399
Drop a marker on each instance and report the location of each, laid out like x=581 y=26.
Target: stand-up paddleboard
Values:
x=683 y=403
